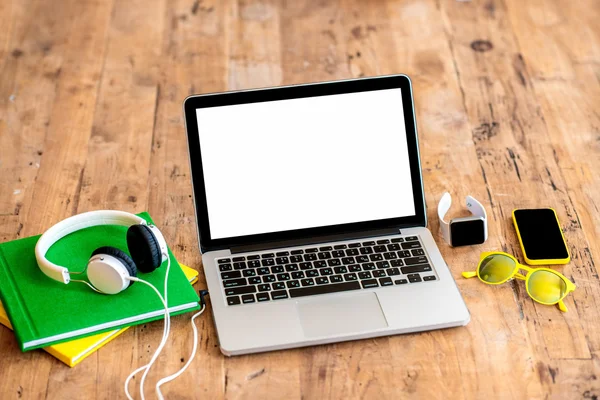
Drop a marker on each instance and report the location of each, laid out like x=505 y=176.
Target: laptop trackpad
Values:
x=328 y=316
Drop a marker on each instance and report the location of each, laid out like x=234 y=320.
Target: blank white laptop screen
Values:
x=305 y=163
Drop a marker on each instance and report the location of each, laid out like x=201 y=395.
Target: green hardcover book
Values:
x=45 y=312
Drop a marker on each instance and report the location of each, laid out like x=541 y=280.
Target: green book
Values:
x=45 y=312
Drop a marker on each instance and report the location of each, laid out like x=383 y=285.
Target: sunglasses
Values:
x=544 y=285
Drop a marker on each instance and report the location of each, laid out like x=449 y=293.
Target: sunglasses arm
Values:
x=469 y=274
x=561 y=306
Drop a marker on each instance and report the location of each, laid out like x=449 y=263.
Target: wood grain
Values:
x=507 y=96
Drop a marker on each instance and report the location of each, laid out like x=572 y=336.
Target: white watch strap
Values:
x=70 y=225
x=443 y=207
x=478 y=210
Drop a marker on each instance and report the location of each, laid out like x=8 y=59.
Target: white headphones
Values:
x=109 y=269
x=466 y=230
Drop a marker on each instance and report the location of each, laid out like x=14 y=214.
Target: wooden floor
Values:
x=507 y=95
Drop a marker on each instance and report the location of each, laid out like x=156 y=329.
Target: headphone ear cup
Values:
x=144 y=248
x=121 y=256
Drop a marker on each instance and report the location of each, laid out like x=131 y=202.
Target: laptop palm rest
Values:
x=331 y=316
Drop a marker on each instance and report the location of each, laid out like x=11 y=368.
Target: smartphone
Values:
x=541 y=238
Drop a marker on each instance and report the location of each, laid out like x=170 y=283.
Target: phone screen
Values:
x=541 y=235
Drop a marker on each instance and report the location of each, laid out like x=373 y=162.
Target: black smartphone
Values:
x=541 y=238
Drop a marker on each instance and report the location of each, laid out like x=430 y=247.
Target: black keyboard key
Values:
x=253 y=257
x=326 y=271
x=411 y=238
x=263 y=271
x=401 y=281
x=294 y=252
x=397 y=240
x=268 y=262
x=383 y=241
x=393 y=247
x=369 y=283
x=383 y=264
x=378 y=273
x=380 y=249
x=296 y=259
x=283 y=277
x=308 y=282
x=416 y=268
x=368 y=267
x=237 y=259
x=233 y=300
x=324 y=256
x=366 y=250
x=305 y=265
x=393 y=271
x=265 y=287
x=322 y=280
x=312 y=273
x=340 y=270
x=362 y=259
x=240 y=290
x=390 y=256
x=368 y=244
x=411 y=245
x=339 y=246
x=291 y=267
x=297 y=275
x=248 y=298
x=249 y=272
x=418 y=252
x=415 y=260
x=268 y=278
x=364 y=275
x=278 y=285
x=376 y=257
x=352 y=252
x=313 y=250
x=254 y=263
x=350 y=277
x=354 y=245
x=234 y=282
x=293 y=284
x=397 y=263
x=255 y=280
x=223 y=261
x=278 y=295
x=282 y=260
x=412 y=278
x=386 y=282
x=282 y=254
x=320 y=264
x=338 y=254
x=314 y=290
x=310 y=257
x=239 y=265
x=263 y=297
x=404 y=253
x=268 y=255
x=225 y=267
x=354 y=268
x=336 y=279
x=231 y=275
x=277 y=269
x=325 y=248
x=429 y=278
x=334 y=262
x=348 y=260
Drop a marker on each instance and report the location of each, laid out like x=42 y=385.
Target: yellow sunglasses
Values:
x=544 y=285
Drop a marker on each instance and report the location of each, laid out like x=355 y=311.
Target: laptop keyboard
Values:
x=313 y=270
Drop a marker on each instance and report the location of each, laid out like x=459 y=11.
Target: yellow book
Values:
x=75 y=351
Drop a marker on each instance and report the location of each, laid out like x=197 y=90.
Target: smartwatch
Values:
x=466 y=230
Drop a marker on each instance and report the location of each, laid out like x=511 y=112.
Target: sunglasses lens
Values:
x=496 y=268
x=546 y=287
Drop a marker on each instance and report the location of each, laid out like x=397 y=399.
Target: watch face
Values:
x=464 y=233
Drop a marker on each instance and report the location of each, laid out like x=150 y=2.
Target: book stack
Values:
x=71 y=321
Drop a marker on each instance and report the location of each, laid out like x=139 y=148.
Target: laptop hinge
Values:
x=313 y=240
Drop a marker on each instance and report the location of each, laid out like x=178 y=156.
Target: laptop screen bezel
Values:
x=293 y=92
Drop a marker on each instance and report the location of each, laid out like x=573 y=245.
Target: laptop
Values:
x=311 y=215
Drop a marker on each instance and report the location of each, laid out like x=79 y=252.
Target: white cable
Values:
x=189 y=361
x=166 y=329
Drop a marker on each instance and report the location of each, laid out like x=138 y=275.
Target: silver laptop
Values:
x=311 y=215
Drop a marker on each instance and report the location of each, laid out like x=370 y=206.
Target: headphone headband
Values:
x=73 y=224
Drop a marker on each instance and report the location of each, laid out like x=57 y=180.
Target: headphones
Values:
x=109 y=269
